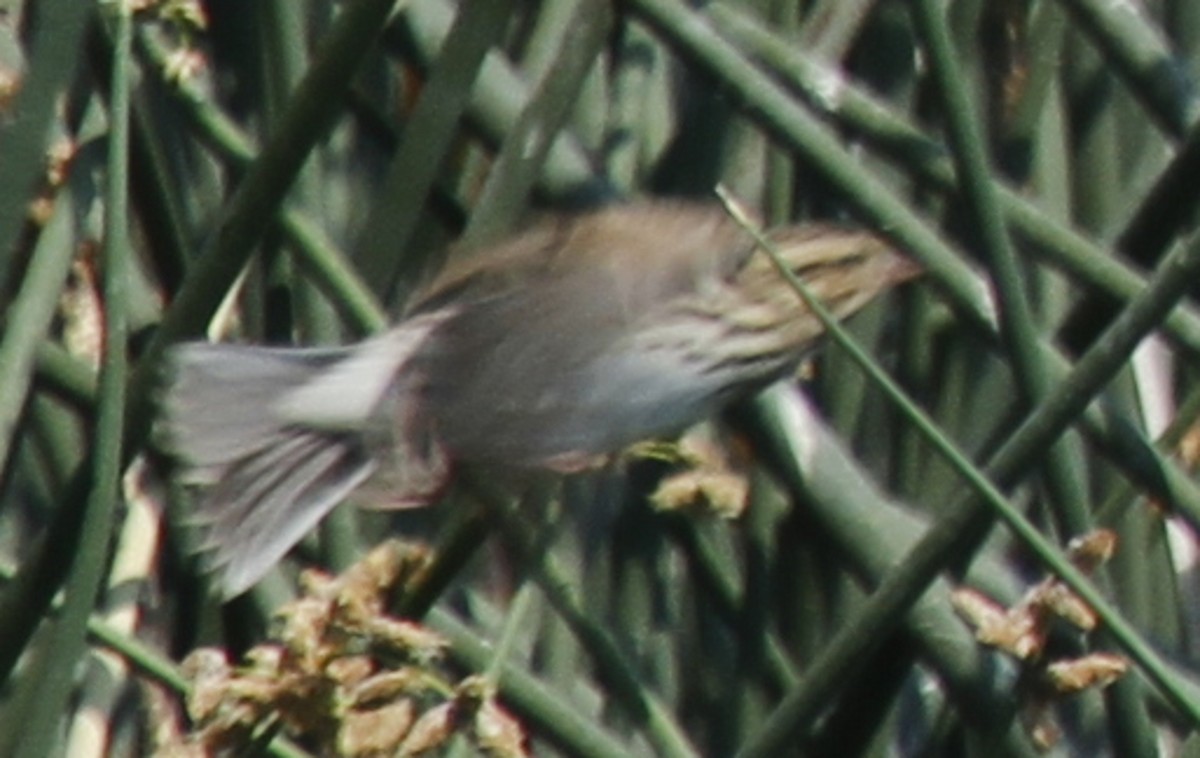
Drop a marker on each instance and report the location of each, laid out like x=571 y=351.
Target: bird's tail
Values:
x=271 y=439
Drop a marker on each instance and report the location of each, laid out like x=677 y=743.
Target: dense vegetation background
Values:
x=286 y=171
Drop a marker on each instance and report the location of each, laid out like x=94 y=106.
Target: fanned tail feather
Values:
x=270 y=500
x=272 y=439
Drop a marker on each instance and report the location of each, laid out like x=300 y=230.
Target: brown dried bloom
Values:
x=1022 y=631
x=376 y=731
x=1090 y=550
x=707 y=482
x=346 y=678
x=497 y=732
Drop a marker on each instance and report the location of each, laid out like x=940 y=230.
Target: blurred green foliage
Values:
x=284 y=171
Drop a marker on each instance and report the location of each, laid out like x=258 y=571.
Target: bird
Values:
x=552 y=349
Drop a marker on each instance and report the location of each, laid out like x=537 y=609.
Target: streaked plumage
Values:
x=574 y=339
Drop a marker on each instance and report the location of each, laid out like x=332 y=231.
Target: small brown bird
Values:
x=569 y=341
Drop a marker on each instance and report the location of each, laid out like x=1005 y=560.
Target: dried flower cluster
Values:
x=346 y=678
x=707 y=481
x=1023 y=630
x=181 y=25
